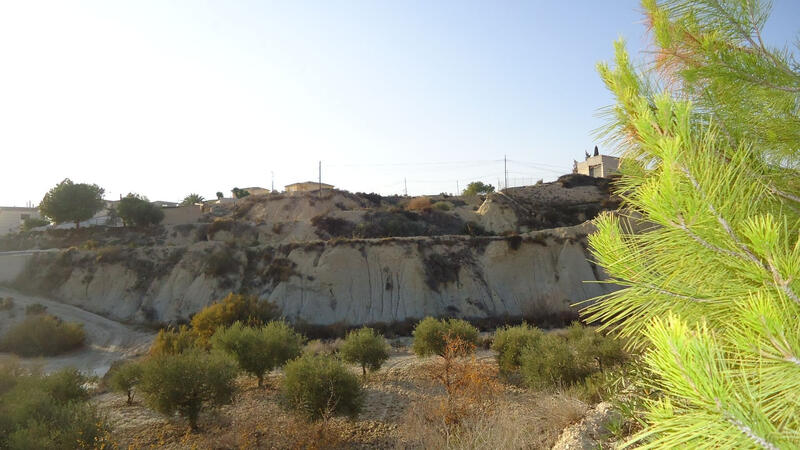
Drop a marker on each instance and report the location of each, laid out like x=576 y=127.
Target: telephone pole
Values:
x=273 y=180
x=458 y=191
x=405 y=187
x=505 y=169
x=320 y=179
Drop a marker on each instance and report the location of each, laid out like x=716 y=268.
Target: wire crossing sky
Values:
x=164 y=98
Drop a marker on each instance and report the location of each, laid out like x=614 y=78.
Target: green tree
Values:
x=191 y=199
x=366 y=348
x=136 y=210
x=509 y=342
x=244 y=308
x=71 y=202
x=478 y=187
x=220 y=195
x=125 y=377
x=259 y=350
x=320 y=386
x=712 y=291
x=430 y=335
x=240 y=193
x=47 y=411
x=188 y=382
x=33 y=222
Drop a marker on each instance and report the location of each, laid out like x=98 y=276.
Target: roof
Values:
x=309 y=182
x=17 y=208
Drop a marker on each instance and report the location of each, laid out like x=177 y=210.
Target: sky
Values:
x=165 y=98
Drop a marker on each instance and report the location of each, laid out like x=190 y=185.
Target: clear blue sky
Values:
x=164 y=98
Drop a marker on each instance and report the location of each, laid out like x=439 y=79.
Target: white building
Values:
x=12 y=217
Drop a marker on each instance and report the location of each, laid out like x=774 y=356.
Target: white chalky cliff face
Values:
x=361 y=281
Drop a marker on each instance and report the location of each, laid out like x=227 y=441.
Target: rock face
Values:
x=536 y=276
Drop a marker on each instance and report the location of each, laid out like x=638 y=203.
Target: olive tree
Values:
x=366 y=348
x=188 y=382
x=259 y=350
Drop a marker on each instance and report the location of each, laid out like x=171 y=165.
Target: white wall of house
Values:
x=11 y=218
x=599 y=166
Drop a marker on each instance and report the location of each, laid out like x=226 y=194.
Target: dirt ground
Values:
x=107 y=340
x=257 y=418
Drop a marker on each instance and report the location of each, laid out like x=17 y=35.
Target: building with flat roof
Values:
x=307 y=186
x=12 y=217
x=597 y=165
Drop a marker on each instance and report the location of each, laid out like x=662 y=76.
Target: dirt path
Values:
x=107 y=340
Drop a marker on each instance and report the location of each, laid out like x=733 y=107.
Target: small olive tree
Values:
x=430 y=335
x=125 y=377
x=321 y=386
x=259 y=350
x=509 y=342
x=366 y=348
x=188 y=382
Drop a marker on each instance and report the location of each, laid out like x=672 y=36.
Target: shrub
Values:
x=35 y=308
x=6 y=304
x=442 y=206
x=478 y=187
x=366 y=348
x=259 y=350
x=47 y=411
x=332 y=226
x=247 y=309
x=320 y=347
x=170 y=341
x=321 y=386
x=125 y=377
x=550 y=361
x=430 y=335
x=594 y=347
x=419 y=204
x=509 y=342
x=138 y=211
x=220 y=263
x=43 y=335
x=187 y=383
x=33 y=222
x=569 y=358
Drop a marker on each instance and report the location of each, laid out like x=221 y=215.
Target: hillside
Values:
x=338 y=258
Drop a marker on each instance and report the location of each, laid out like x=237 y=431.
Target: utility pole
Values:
x=505 y=169
x=458 y=191
x=405 y=187
x=273 y=180
x=320 y=179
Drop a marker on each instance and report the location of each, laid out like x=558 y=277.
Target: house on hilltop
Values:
x=12 y=217
x=308 y=186
x=597 y=165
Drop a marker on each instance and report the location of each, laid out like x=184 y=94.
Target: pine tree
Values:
x=707 y=249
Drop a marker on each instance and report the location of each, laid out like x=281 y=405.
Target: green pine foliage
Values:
x=709 y=137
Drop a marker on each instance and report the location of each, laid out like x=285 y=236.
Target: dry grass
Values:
x=419 y=204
